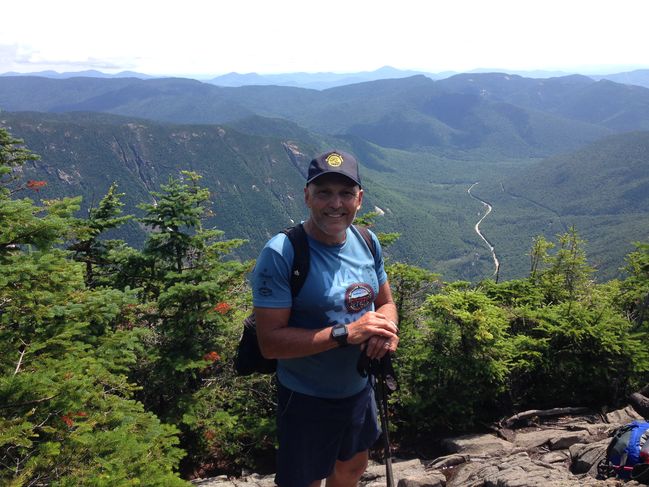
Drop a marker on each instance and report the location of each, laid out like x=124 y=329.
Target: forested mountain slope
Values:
x=616 y=106
x=607 y=177
x=503 y=114
x=602 y=189
x=256 y=180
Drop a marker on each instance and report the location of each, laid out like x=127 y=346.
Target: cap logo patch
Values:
x=334 y=159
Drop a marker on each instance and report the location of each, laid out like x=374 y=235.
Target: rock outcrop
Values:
x=559 y=452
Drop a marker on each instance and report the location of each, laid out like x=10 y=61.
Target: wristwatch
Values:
x=339 y=333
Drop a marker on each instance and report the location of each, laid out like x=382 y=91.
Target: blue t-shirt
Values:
x=341 y=286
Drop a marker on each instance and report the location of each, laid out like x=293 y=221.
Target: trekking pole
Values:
x=383 y=379
x=382 y=386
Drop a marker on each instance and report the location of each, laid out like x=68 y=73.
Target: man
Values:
x=326 y=412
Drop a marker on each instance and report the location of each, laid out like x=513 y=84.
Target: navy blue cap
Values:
x=335 y=161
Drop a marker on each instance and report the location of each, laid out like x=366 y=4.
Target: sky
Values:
x=206 y=38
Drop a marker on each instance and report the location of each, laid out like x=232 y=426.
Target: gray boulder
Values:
x=557 y=452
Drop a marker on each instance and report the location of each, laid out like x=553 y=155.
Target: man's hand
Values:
x=376 y=333
x=376 y=347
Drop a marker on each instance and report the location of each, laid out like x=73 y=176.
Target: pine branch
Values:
x=28 y=403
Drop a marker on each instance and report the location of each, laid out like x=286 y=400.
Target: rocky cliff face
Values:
x=558 y=452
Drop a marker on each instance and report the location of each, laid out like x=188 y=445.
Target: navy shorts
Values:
x=313 y=433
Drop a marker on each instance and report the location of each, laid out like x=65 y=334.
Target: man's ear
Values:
x=360 y=198
x=306 y=196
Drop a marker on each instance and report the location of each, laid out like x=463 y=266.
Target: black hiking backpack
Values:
x=249 y=359
x=627 y=454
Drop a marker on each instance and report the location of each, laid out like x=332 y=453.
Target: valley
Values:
x=539 y=149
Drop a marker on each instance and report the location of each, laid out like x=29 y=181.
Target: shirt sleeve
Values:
x=270 y=279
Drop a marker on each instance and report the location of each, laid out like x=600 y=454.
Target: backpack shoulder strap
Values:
x=365 y=233
x=301 y=260
x=301 y=255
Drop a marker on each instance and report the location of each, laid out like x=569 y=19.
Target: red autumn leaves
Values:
x=67 y=418
x=211 y=356
x=222 y=308
x=35 y=185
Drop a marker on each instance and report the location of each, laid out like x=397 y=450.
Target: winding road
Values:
x=477 y=230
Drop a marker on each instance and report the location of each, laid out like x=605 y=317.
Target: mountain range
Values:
x=89 y=73
x=325 y=80
x=521 y=117
x=421 y=142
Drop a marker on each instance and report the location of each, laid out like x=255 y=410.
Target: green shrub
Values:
x=453 y=363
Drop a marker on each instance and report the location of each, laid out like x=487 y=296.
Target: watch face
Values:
x=339 y=331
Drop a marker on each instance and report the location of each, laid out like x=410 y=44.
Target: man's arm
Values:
x=278 y=340
x=385 y=305
x=378 y=345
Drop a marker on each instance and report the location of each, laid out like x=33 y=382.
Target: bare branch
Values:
x=542 y=412
x=20 y=359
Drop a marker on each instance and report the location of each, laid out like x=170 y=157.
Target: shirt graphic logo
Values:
x=358 y=296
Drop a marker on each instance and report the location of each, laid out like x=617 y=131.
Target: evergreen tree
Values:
x=538 y=255
x=188 y=292
x=567 y=275
x=635 y=297
x=67 y=414
x=13 y=154
x=410 y=287
x=89 y=248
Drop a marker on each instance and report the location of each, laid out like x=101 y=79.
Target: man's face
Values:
x=333 y=200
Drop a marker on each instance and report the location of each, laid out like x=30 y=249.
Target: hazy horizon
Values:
x=202 y=39
x=589 y=71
